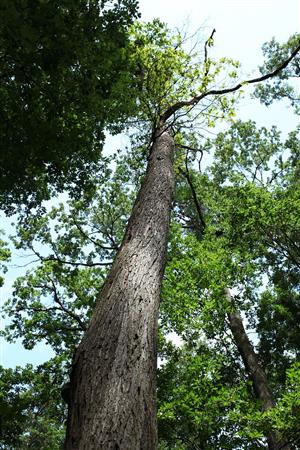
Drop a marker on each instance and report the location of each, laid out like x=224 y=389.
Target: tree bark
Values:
x=113 y=380
x=255 y=371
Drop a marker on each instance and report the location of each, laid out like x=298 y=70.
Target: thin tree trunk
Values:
x=255 y=371
x=113 y=381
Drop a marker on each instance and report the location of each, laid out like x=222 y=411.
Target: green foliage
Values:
x=166 y=73
x=32 y=413
x=73 y=246
x=63 y=65
x=285 y=416
x=5 y=255
x=249 y=201
x=280 y=87
x=245 y=153
x=201 y=401
x=67 y=71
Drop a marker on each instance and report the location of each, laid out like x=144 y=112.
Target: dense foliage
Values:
x=64 y=68
x=31 y=408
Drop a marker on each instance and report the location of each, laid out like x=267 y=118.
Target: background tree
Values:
x=242 y=176
x=281 y=87
x=31 y=407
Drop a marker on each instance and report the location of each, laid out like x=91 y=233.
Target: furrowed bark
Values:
x=255 y=371
x=113 y=389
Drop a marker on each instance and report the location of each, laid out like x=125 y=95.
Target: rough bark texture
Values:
x=113 y=388
x=255 y=371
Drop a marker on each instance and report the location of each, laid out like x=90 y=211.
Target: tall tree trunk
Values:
x=255 y=371
x=113 y=389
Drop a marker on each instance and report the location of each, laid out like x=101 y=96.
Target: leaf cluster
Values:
x=63 y=68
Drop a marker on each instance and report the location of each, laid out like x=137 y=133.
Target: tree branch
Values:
x=75 y=264
x=87 y=236
x=186 y=174
x=193 y=101
x=66 y=310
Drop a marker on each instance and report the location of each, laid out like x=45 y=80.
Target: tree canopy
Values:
x=64 y=70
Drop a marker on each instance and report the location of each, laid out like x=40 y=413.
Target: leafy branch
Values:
x=196 y=99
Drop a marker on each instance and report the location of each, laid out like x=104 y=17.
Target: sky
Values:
x=242 y=26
